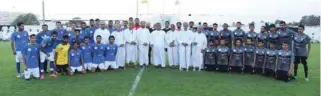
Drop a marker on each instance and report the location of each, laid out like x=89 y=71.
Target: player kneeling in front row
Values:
x=61 y=56
x=210 y=56
x=87 y=51
x=76 y=61
x=285 y=63
x=110 y=52
x=259 y=58
x=271 y=56
x=223 y=53
x=249 y=56
x=237 y=57
x=98 y=55
x=30 y=55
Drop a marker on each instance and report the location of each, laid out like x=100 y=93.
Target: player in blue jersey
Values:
x=110 y=52
x=48 y=53
x=44 y=34
x=76 y=37
x=76 y=60
x=18 y=41
x=91 y=30
x=30 y=57
x=60 y=31
x=98 y=55
x=83 y=31
x=87 y=51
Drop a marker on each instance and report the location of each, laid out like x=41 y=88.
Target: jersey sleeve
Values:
x=12 y=37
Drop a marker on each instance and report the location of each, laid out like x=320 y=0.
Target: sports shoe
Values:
x=306 y=79
x=42 y=77
x=53 y=75
x=19 y=75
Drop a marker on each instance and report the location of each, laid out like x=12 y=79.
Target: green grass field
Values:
x=157 y=82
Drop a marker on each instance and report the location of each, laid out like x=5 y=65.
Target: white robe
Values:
x=185 y=51
x=121 y=52
x=143 y=36
x=104 y=35
x=131 y=50
x=158 y=49
x=192 y=49
x=172 y=52
x=197 y=54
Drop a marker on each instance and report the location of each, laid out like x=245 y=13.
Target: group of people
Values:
x=270 y=52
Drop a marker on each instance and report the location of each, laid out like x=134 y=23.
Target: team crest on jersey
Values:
x=95 y=47
x=83 y=47
x=72 y=54
x=107 y=48
x=18 y=36
x=29 y=49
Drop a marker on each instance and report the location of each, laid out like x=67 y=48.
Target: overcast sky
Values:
x=224 y=10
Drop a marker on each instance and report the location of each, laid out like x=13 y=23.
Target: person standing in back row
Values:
x=131 y=45
x=185 y=40
x=143 y=38
x=300 y=51
x=172 y=46
x=167 y=28
x=158 y=46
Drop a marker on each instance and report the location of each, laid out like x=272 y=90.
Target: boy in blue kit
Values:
x=18 y=41
x=110 y=52
x=83 y=31
x=76 y=38
x=48 y=47
x=237 y=57
x=60 y=31
x=44 y=34
x=223 y=55
x=76 y=61
x=30 y=57
x=285 y=63
x=98 y=55
x=91 y=31
x=270 y=65
x=210 y=56
x=87 y=51
x=259 y=57
x=249 y=56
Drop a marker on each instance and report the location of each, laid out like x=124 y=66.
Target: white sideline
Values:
x=134 y=86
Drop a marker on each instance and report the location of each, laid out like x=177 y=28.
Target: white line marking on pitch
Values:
x=134 y=86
